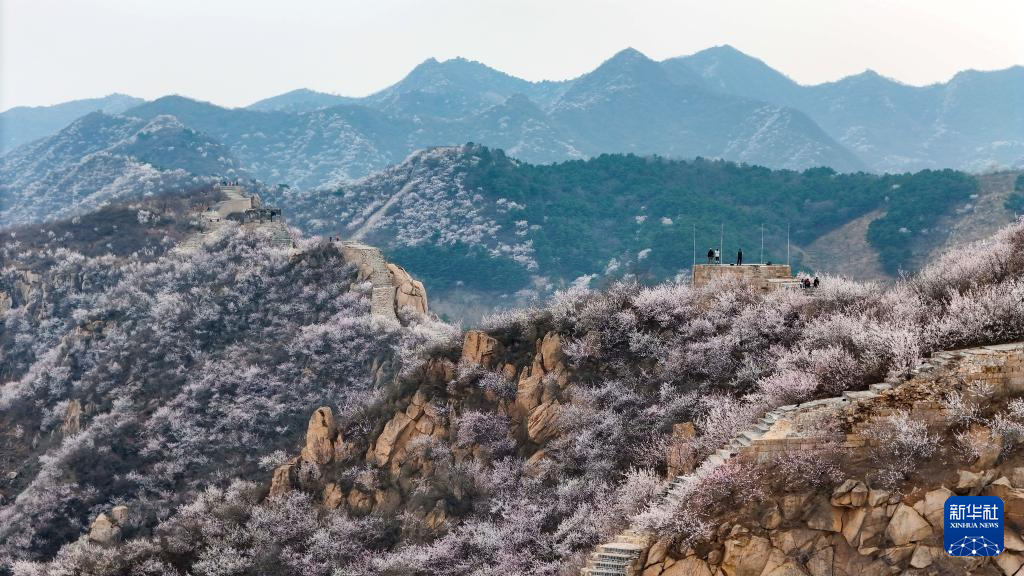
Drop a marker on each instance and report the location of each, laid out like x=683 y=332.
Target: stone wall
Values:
x=759 y=276
x=393 y=288
x=861 y=530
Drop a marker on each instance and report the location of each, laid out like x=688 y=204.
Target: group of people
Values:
x=715 y=256
x=806 y=282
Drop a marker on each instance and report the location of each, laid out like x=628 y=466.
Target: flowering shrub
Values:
x=198 y=370
x=899 y=443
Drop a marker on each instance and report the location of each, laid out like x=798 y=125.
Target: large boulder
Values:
x=678 y=456
x=333 y=496
x=1009 y=562
x=746 y=556
x=284 y=478
x=388 y=439
x=550 y=352
x=319 y=448
x=72 y=419
x=931 y=506
x=907 y=526
x=359 y=502
x=104 y=531
x=543 y=422
x=826 y=517
x=530 y=389
x=409 y=293
x=850 y=494
x=119 y=514
x=1013 y=500
x=689 y=566
x=480 y=348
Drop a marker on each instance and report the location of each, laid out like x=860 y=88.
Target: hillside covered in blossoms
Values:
x=237 y=409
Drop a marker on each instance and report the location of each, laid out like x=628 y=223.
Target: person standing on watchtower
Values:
x=711 y=255
x=739 y=257
x=718 y=256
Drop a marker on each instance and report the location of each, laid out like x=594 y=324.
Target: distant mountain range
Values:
x=24 y=124
x=718 y=103
x=101 y=158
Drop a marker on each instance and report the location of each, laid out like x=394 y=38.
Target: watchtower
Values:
x=765 y=277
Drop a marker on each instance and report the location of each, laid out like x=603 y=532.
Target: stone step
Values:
x=860 y=395
x=880 y=387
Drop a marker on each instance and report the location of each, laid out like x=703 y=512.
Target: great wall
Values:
x=1000 y=368
x=392 y=288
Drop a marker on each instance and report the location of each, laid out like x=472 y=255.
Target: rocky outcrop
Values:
x=409 y=292
x=388 y=441
x=390 y=450
x=72 y=419
x=320 y=435
x=480 y=348
x=677 y=457
x=393 y=289
x=539 y=389
x=322 y=446
x=106 y=529
x=285 y=478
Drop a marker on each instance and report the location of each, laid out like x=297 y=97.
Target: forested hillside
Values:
x=139 y=378
x=473 y=219
x=168 y=401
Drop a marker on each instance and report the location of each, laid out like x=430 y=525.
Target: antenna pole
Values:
x=787 y=244
x=721 y=244
x=762 y=242
x=694 y=250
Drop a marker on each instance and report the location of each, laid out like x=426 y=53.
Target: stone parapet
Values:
x=764 y=277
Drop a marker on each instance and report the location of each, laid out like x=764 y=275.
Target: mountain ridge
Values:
x=970 y=122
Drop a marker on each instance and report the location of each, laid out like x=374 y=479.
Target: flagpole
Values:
x=762 y=242
x=787 y=244
x=721 y=244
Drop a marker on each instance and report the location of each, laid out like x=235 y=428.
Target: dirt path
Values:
x=374 y=218
x=845 y=251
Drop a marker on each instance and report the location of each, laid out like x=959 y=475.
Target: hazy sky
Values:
x=233 y=52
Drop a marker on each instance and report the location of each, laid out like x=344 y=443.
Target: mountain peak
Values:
x=724 y=49
x=629 y=60
x=427 y=64
x=629 y=54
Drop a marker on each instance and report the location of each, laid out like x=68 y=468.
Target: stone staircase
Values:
x=1001 y=366
x=605 y=563
x=280 y=236
x=211 y=229
x=382 y=295
x=620 y=557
